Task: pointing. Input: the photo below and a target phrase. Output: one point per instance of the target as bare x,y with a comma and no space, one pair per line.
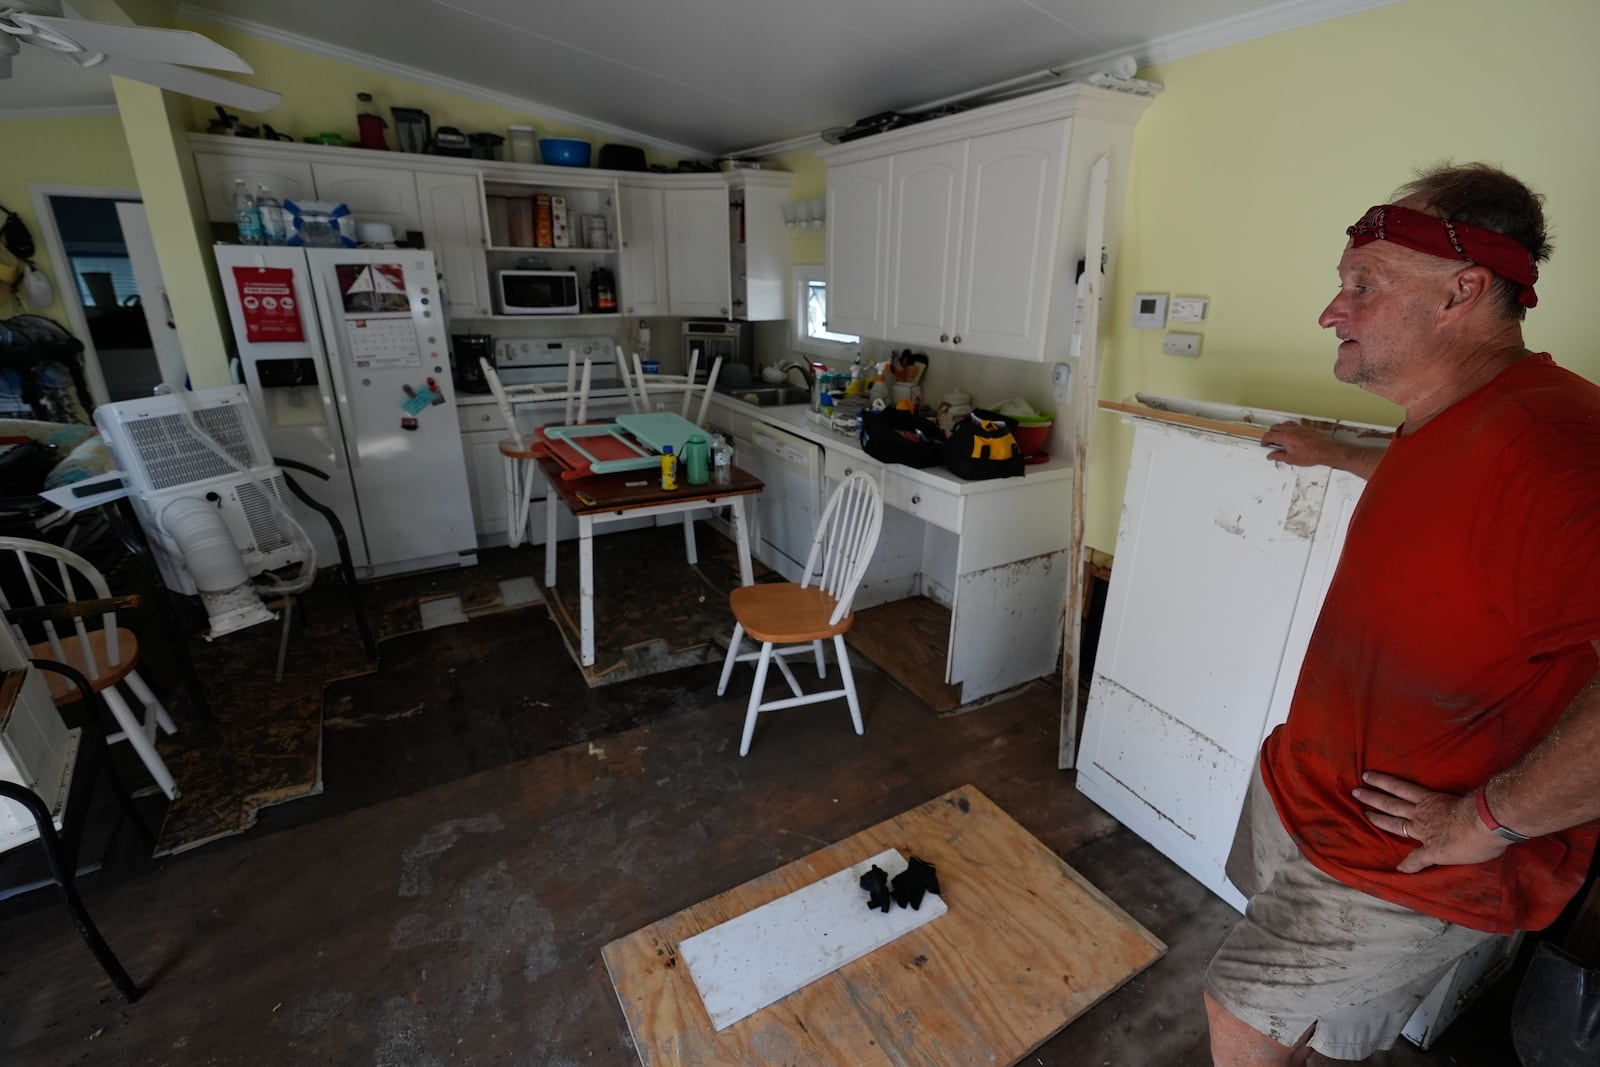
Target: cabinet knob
483,418
848,471
916,500
630,310
944,338
723,310
957,338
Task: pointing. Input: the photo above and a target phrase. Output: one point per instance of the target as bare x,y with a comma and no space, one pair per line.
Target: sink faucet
806,373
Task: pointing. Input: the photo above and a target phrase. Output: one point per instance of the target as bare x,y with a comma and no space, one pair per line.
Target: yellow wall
319,96
87,150
1247,169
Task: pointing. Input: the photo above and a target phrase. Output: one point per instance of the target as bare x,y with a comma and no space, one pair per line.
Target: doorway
111,289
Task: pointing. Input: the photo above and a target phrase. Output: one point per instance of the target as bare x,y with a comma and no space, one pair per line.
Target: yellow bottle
669,468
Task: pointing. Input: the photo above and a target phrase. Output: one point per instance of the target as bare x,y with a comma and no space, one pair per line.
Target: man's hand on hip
1445,827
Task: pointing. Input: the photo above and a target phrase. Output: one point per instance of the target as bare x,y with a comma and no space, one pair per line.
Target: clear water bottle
721,461
274,228
245,215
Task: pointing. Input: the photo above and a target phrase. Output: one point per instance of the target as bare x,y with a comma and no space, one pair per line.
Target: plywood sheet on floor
653,611
1026,946
908,640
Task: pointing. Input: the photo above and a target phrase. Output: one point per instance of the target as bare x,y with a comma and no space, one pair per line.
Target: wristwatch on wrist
1491,822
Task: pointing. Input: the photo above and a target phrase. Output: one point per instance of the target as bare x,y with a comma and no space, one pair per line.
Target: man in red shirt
1435,783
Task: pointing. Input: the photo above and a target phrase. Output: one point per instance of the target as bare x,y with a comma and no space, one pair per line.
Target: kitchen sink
769,396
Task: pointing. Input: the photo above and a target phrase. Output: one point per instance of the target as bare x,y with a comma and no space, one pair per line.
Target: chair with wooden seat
47,584
517,456
789,619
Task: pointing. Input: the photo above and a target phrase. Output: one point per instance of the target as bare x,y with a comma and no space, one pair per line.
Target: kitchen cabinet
727,249
995,553
644,250
288,179
452,226
964,232
372,194
858,247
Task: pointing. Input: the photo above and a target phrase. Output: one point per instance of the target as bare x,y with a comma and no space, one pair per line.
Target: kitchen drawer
480,417
924,501
837,464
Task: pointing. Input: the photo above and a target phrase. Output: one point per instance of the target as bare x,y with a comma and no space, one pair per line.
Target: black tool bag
900,437
982,446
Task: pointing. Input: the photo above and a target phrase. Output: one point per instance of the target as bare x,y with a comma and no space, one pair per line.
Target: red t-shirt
1456,631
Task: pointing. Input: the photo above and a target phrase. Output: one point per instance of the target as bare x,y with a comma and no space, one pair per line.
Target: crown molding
416,74
1289,15
74,111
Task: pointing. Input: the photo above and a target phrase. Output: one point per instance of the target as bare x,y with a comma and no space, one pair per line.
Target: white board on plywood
747,963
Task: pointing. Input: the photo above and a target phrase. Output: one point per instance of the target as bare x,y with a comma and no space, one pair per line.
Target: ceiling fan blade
140,42
192,83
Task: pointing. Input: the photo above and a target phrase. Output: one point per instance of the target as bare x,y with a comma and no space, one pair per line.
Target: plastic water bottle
273,228
721,461
245,214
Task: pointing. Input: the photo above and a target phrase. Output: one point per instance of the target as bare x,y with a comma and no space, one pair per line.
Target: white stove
530,361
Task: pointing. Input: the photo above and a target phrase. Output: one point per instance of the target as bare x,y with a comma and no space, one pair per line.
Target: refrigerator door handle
334,348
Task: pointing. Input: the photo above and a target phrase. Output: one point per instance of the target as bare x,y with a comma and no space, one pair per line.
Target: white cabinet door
452,226
1211,557
644,251
1011,221
698,266
858,247
923,243
287,179
761,262
373,194
486,486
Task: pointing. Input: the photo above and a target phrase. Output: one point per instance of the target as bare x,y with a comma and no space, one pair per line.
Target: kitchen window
811,333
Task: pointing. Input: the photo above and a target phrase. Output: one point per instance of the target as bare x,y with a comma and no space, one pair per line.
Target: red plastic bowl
1032,437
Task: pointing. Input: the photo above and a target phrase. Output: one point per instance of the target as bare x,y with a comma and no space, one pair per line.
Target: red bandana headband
1434,236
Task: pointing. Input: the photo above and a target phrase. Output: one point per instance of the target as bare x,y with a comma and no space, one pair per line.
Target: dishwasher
790,469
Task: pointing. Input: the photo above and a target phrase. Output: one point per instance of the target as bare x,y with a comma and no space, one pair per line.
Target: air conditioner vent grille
258,514
171,454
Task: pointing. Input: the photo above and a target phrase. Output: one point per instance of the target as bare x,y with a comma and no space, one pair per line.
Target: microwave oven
536,292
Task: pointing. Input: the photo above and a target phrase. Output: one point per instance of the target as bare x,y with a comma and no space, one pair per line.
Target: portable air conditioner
170,473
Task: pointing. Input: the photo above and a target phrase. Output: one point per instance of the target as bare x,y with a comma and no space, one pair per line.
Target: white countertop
796,419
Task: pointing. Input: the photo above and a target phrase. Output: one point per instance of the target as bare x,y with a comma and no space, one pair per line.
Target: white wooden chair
108,656
516,454
790,619
664,385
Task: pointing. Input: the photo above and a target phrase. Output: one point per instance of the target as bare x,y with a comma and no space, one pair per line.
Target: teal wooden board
601,448
655,429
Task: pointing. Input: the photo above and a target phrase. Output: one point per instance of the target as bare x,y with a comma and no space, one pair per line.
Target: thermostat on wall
1149,311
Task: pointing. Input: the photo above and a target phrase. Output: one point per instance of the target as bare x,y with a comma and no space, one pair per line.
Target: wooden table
1026,947
602,498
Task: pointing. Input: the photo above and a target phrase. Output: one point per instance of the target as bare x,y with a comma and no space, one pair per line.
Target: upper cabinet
965,232
692,245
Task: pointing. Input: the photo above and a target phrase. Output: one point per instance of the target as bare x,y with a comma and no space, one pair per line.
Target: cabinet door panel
924,243
287,179
699,270
452,225
373,194
1010,227
858,247
644,252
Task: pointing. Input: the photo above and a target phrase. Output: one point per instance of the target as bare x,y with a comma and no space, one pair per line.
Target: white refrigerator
345,359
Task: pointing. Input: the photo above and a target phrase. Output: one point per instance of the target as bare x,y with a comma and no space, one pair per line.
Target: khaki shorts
1313,950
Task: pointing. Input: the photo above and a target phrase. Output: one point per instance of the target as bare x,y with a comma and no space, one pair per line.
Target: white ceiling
714,76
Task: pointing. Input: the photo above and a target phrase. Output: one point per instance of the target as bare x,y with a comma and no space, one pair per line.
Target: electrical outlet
1187,309
1181,344
1061,383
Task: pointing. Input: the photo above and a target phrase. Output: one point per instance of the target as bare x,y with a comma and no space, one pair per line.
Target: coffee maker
465,351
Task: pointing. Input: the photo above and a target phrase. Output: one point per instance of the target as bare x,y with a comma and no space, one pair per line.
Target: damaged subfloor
446,899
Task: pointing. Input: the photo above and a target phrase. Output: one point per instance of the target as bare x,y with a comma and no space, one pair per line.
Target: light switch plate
1181,344
1188,309
1149,311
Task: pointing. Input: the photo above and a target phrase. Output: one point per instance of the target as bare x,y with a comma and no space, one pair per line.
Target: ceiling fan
142,53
